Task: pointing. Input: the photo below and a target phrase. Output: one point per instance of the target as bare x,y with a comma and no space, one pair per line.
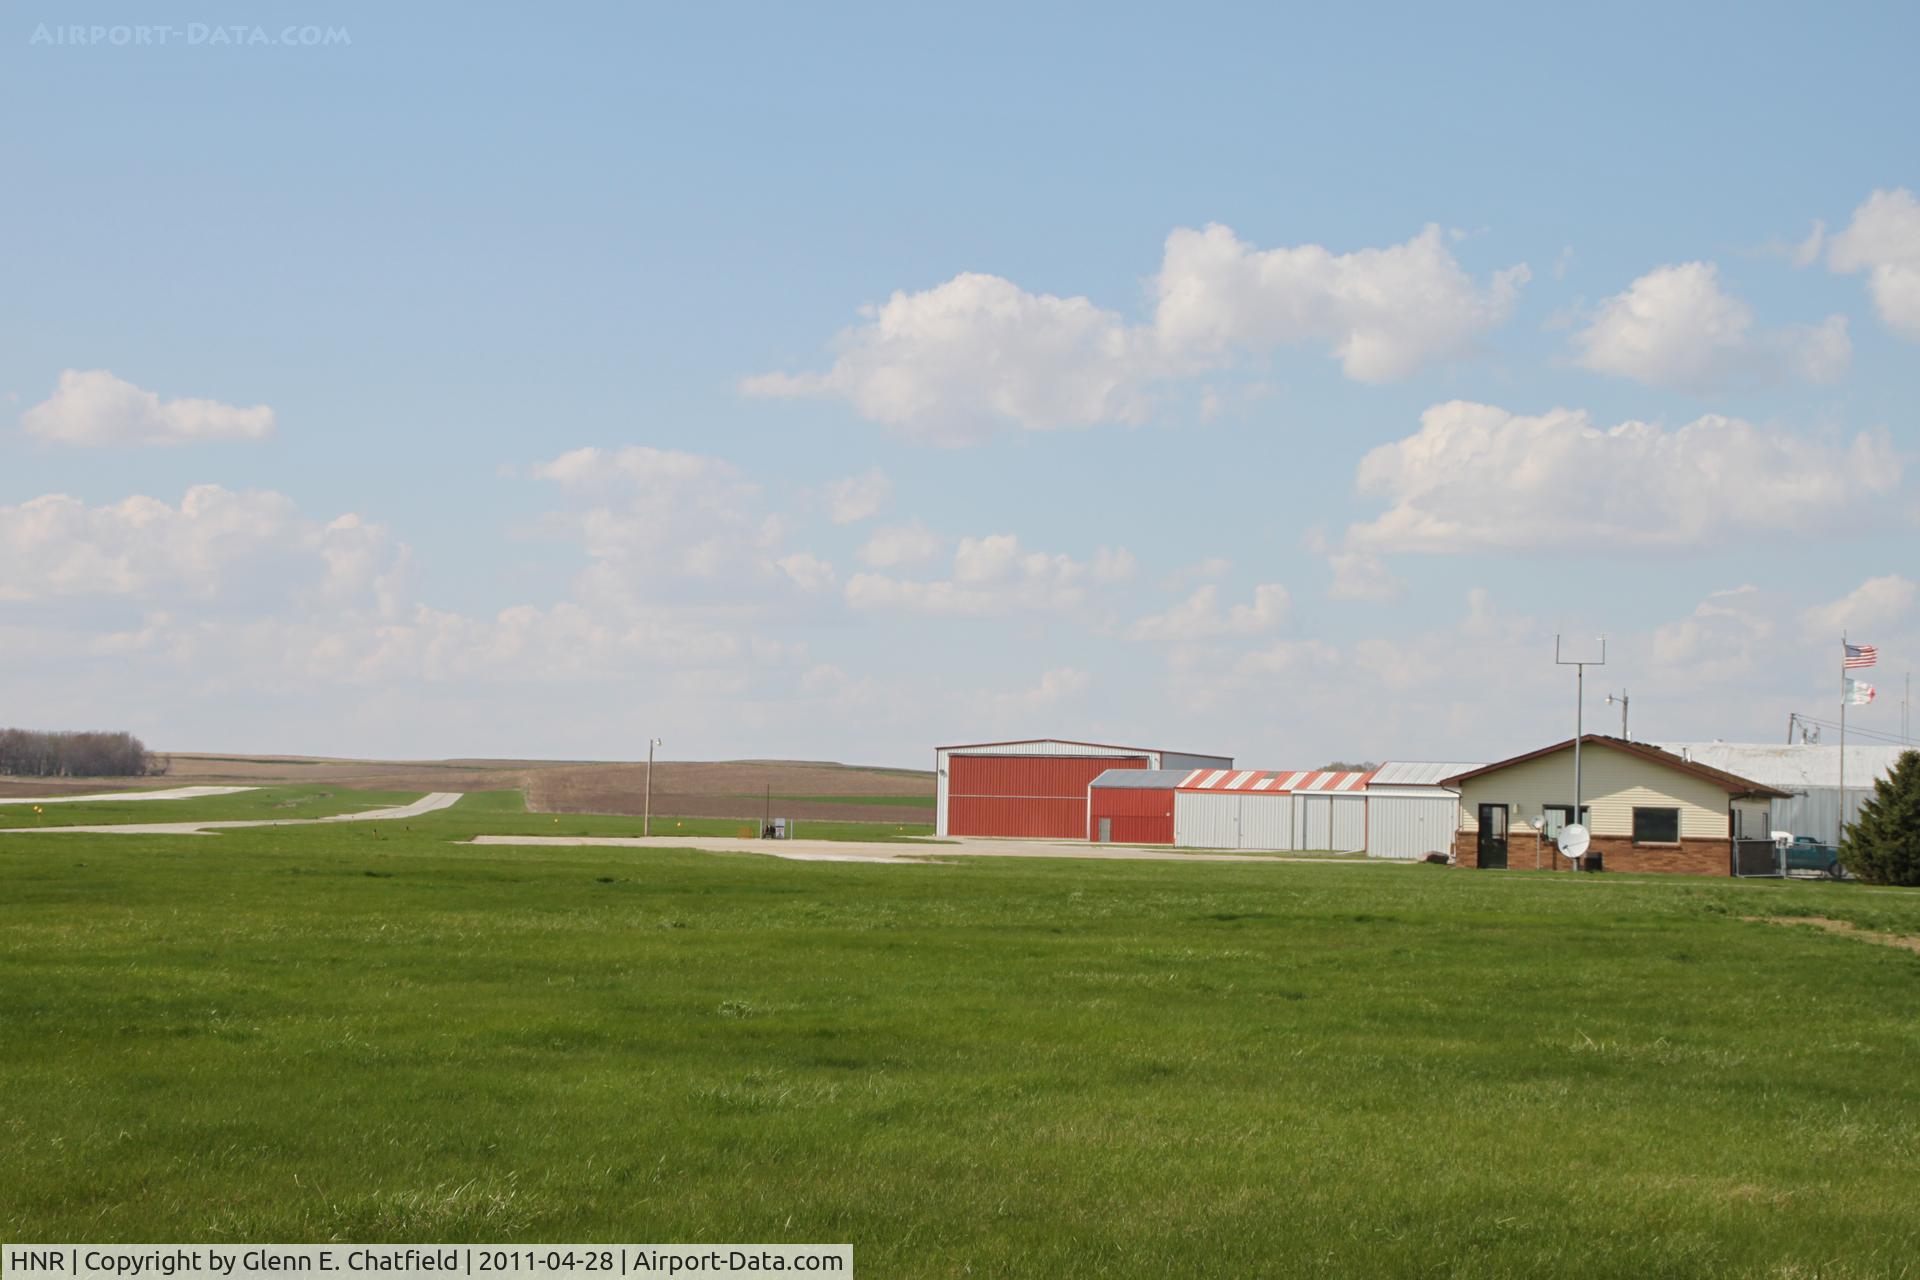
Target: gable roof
1732,783
1795,767
1075,742
1140,779
1418,773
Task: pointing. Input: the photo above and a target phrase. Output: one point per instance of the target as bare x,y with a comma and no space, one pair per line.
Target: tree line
37,753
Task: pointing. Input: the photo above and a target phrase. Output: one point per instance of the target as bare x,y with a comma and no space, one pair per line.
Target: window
1656,826
1558,816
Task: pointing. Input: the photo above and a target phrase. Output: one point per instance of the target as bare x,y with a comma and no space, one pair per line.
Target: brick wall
1618,853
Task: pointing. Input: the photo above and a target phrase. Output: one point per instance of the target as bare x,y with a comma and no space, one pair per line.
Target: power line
1854,730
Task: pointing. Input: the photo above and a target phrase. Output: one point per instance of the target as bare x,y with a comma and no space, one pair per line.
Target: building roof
1313,781
1797,767
1074,742
1418,773
1732,783
1142,779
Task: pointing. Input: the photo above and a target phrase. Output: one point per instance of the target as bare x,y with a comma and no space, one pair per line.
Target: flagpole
1840,822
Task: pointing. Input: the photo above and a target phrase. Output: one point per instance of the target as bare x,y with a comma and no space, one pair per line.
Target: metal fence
1758,858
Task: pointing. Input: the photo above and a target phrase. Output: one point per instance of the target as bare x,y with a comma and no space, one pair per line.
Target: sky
834,382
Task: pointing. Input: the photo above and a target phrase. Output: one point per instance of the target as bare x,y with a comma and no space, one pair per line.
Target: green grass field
262,804
993,1068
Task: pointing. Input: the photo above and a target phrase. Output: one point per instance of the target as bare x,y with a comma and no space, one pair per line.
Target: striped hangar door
1043,797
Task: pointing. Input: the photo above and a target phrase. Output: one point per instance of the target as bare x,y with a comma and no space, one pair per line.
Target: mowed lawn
998,1067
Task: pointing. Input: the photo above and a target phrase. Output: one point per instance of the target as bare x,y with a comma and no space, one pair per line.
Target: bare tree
35,753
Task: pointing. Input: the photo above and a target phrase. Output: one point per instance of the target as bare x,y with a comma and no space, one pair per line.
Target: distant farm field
989,1068
738,789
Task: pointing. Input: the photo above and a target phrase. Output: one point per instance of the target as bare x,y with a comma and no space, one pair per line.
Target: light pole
646,822
1579,666
1622,700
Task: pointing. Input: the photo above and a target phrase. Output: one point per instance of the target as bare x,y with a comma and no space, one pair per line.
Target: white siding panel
1316,821
1816,812
1349,824
1266,821
1185,760
1407,826
1206,820
939,793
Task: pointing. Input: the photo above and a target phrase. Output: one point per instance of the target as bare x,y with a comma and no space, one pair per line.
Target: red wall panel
1139,815
1059,777
1034,816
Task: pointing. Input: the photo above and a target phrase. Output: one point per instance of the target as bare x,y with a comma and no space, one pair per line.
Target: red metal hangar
1036,787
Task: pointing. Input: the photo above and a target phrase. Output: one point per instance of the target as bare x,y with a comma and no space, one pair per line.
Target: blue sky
1222,378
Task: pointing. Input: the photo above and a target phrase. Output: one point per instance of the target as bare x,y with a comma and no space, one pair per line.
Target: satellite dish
1573,840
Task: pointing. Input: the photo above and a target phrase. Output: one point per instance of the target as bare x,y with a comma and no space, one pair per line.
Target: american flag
1860,655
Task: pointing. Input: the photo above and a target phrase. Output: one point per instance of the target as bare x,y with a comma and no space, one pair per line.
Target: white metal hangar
1409,813
1274,810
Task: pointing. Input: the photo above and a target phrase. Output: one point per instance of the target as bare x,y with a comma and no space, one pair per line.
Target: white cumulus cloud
951,363
1719,640
1201,617
991,575
1676,327
56,546
1476,477
1382,312
1883,241
857,497
1884,601
651,511
1358,575
954,363
808,571
902,545
94,408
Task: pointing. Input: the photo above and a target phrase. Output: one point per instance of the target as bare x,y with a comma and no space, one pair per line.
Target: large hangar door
1316,826
1206,820
1032,796
1266,821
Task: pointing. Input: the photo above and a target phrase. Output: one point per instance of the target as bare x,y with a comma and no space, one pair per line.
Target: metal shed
1808,772
1035,787
1409,814
1133,806
1271,810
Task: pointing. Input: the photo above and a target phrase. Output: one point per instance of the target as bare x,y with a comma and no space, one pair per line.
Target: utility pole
646,822
1622,700
1579,666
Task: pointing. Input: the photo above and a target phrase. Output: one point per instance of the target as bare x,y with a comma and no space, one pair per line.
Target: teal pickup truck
1808,854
